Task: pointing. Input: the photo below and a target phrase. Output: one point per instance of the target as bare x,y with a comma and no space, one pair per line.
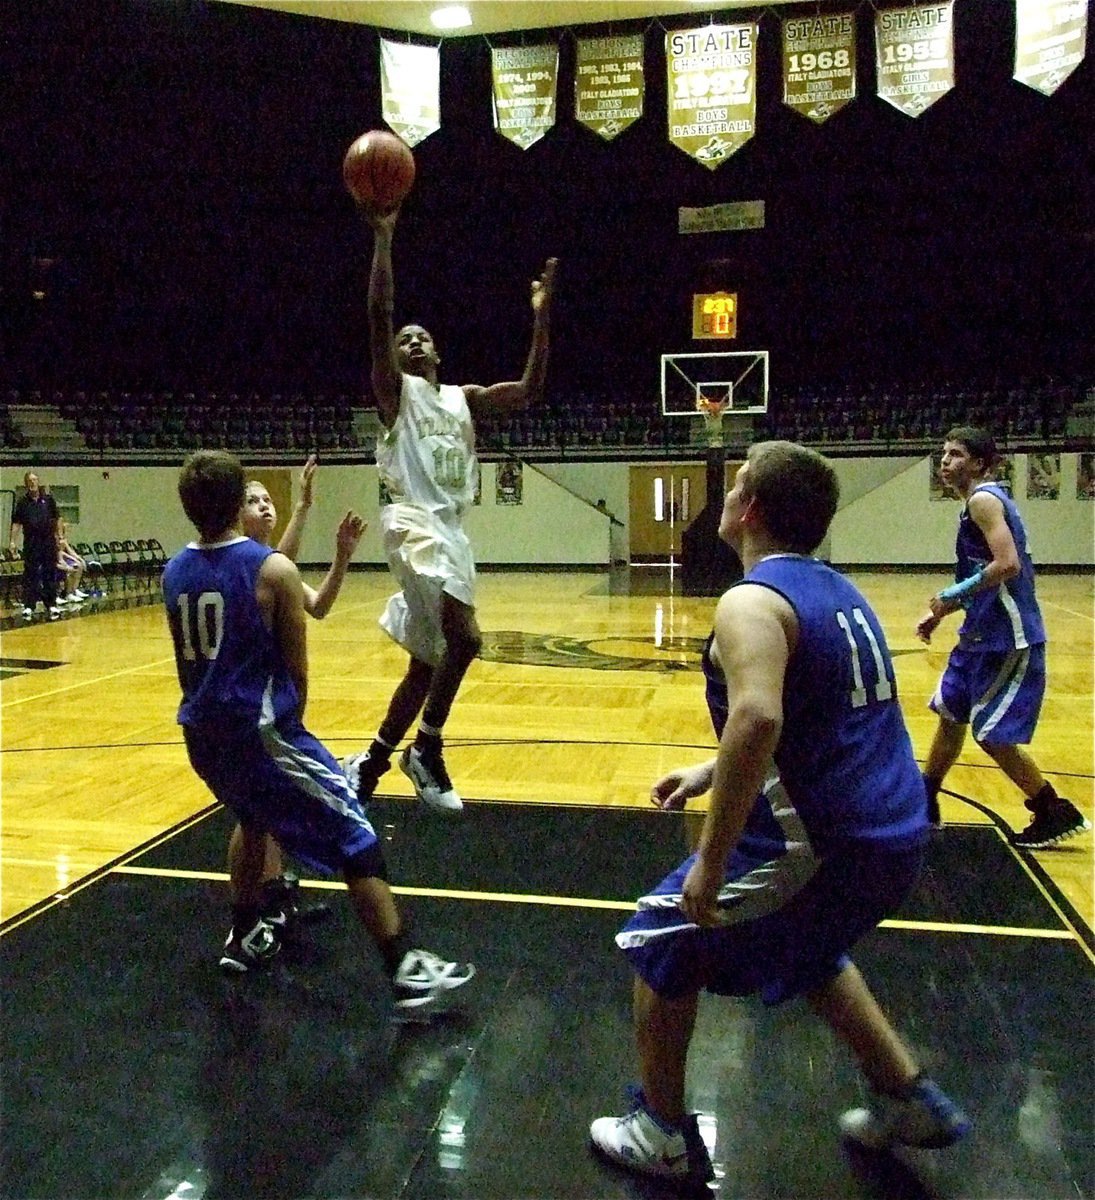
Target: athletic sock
932,786
1044,799
244,917
393,950
379,749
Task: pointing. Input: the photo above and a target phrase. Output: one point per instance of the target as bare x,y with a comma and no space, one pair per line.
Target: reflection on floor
132,1069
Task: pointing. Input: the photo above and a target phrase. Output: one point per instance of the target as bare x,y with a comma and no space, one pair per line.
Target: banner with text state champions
914,55
1050,40
818,64
609,83
523,80
712,90
410,89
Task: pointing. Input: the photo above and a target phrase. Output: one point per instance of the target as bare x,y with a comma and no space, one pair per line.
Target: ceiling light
452,16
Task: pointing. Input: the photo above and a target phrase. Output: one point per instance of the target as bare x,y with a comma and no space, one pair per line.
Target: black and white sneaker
426,770
1061,820
422,982
248,951
364,772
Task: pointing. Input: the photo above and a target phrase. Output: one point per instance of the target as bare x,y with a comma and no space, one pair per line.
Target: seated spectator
70,567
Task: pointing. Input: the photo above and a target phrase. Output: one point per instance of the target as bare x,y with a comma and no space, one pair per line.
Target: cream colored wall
887,517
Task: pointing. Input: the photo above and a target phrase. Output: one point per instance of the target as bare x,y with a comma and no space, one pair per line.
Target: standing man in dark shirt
36,515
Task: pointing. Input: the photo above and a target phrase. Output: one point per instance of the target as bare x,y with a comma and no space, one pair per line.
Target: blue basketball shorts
791,921
286,782
998,693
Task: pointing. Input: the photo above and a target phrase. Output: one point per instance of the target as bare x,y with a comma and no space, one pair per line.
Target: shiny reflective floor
132,1069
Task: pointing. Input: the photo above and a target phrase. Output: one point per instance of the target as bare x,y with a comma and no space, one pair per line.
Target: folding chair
106,562
122,564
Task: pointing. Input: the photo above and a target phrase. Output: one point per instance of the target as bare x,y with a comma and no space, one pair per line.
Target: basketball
379,170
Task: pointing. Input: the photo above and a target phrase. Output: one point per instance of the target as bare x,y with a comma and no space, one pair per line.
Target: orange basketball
379,169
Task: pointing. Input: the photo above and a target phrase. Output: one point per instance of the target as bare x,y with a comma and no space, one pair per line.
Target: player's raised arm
385,374
289,542
519,393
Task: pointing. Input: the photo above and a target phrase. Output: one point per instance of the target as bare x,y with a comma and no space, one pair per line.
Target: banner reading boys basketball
914,55
410,89
609,84
819,64
712,90
1050,39
523,79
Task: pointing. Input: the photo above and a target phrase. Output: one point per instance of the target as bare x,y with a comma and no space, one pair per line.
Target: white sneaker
79,595
54,614
62,600
640,1142
925,1117
431,780
28,614
422,980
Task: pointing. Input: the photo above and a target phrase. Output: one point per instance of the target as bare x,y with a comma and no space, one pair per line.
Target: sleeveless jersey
229,665
1006,617
844,754
428,456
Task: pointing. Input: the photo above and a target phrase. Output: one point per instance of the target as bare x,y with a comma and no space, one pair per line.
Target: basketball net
712,412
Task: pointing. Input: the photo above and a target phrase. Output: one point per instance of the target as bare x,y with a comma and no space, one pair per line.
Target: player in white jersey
427,463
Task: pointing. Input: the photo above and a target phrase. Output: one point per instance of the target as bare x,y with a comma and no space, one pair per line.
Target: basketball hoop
712,411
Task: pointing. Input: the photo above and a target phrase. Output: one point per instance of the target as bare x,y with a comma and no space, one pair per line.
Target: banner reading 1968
1050,38
915,55
819,64
712,90
524,91
609,83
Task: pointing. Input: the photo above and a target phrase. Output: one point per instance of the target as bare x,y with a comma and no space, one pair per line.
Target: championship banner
819,64
1050,40
410,89
712,90
523,91
914,55
609,84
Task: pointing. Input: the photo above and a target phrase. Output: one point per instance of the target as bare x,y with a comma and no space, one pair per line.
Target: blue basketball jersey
1005,617
844,754
229,665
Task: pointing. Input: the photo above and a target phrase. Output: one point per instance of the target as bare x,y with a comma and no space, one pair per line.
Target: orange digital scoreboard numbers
715,315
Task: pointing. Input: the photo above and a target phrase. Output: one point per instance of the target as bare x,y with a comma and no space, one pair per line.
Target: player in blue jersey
996,675
236,613
788,873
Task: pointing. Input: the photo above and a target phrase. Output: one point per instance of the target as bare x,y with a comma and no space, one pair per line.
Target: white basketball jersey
428,456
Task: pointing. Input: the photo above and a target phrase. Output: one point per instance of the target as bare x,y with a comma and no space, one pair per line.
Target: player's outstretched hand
351,529
306,475
674,790
926,626
542,287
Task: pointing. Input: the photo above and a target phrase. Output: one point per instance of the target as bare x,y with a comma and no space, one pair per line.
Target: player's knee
465,644
366,864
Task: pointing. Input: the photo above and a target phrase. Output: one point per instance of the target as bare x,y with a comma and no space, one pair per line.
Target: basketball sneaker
422,981
28,614
1061,819
54,613
640,1141
245,951
925,1116
364,772
426,770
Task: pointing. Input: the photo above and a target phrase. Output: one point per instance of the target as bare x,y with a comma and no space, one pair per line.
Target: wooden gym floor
132,1069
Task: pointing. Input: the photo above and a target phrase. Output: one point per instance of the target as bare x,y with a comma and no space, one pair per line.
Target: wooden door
665,498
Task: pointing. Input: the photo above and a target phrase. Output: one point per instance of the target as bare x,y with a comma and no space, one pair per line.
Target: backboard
737,379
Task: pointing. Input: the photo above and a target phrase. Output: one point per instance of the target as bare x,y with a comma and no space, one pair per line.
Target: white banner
410,89
1050,41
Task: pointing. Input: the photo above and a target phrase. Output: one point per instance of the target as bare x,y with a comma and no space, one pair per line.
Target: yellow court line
585,902
71,687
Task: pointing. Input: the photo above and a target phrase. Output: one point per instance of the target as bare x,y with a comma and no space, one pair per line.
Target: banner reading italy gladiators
1050,39
410,87
914,55
712,90
523,79
819,64
609,84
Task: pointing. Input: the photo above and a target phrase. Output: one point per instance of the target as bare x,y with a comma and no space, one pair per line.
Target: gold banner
712,90
523,80
1050,41
819,64
410,89
914,55
609,84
